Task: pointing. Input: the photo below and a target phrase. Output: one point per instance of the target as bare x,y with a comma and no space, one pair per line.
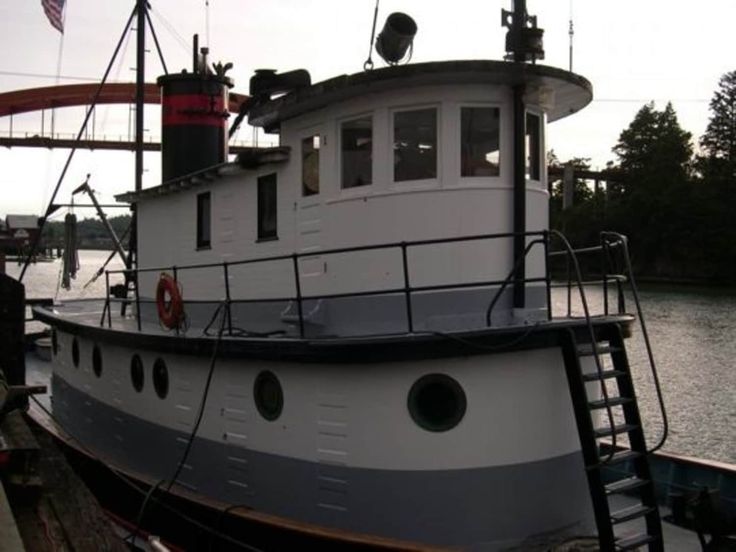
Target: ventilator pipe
396,37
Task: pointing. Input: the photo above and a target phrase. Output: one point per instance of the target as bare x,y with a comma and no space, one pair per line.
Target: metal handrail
403,246
622,240
519,263
572,257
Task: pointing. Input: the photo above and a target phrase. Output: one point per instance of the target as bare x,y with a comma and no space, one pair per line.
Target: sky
632,51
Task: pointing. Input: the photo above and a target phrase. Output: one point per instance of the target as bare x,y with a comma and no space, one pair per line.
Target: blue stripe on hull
484,508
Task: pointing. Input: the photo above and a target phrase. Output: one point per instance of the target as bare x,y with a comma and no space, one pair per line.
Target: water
693,332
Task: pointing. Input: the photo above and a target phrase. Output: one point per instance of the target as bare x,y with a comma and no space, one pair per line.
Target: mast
523,44
140,80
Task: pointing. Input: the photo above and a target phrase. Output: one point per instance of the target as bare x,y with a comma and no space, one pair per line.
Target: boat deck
91,313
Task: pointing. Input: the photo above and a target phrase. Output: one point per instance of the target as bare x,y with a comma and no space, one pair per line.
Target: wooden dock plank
10,540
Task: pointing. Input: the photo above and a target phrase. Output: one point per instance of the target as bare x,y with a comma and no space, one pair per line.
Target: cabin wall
385,211
168,226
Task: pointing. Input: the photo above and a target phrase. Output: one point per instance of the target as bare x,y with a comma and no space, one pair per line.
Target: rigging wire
368,65
155,40
53,117
118,69
47,76
69,158
172,31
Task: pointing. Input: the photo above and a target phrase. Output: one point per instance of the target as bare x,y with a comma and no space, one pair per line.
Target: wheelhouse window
533,146
267,224
203,220
310,166
415,144
480,136
357,152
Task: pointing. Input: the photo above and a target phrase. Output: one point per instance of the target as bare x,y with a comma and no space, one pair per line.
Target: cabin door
310,211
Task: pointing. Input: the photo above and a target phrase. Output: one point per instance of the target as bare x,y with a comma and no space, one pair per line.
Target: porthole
75,352
97,361
437,402
54,342
160,378
268,396
136,373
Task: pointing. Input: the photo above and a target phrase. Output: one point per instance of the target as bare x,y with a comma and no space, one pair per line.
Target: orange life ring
171,309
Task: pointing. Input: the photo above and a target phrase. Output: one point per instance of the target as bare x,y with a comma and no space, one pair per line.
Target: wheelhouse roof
570,92
248,159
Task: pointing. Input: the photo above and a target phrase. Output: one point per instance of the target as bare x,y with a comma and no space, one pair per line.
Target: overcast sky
632,51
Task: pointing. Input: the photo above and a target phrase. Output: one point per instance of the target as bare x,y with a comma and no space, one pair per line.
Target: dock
43,503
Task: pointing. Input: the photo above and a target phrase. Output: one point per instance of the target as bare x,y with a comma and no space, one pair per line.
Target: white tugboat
351,335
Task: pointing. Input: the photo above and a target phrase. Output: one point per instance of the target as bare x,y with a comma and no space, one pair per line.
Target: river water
693,333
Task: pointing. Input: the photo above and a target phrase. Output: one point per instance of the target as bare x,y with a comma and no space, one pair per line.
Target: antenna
571,32
207,18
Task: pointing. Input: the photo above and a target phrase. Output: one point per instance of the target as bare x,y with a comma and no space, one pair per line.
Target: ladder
614,527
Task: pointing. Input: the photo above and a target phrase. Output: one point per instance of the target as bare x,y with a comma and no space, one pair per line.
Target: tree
654,148
719,140
655,158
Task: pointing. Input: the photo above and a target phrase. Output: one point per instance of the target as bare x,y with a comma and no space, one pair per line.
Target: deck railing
535,240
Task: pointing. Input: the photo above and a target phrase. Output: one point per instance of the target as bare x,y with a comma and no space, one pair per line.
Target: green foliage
719,140
91,233
676,210
654,150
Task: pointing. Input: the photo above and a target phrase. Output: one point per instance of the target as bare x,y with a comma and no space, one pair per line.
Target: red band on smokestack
193,109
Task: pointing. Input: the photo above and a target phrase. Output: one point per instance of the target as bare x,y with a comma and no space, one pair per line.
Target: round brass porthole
160,378
137,376
268,395
97,361
437,402
75,352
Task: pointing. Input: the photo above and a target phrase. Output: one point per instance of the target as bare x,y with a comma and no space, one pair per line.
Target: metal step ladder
614,527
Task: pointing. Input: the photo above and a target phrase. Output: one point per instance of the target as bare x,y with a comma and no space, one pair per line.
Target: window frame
203,243
263,234
304,138
438,143
459,137
528,169
340,122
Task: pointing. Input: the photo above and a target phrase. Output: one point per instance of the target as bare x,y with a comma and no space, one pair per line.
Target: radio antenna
571,32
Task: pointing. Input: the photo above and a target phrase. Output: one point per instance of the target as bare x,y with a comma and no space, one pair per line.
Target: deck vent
396,37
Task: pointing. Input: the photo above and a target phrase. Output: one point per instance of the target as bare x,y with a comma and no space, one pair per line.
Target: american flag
55,12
